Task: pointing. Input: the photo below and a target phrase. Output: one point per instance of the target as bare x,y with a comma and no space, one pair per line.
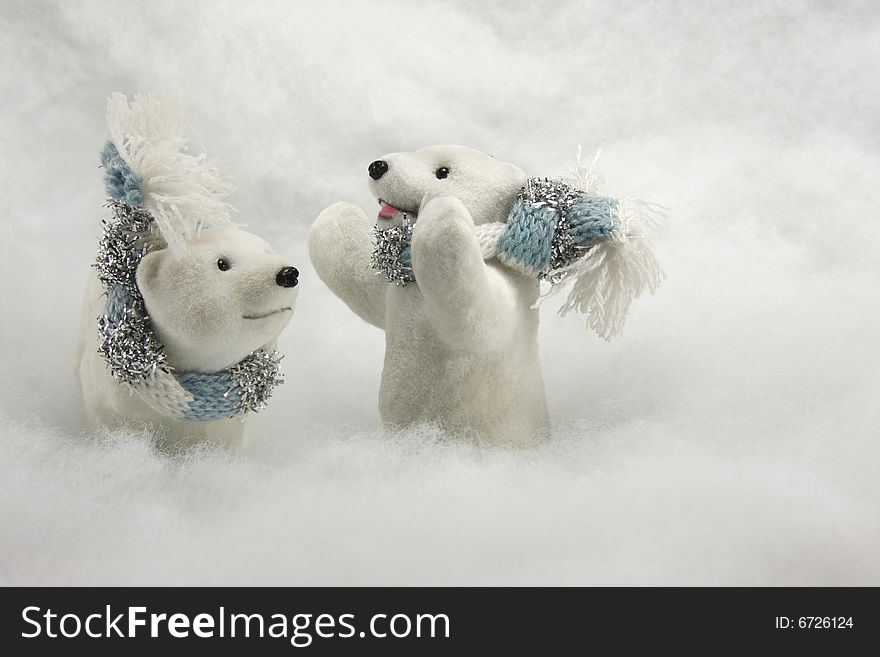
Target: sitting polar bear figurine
180,320
229,296
462,340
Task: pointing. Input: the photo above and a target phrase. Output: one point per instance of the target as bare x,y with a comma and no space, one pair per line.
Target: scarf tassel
598,247
612,271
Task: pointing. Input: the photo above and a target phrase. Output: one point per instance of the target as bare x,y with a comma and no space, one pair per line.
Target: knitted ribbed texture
215,395
163,393
488,236
203,397
591,218
525,244
541,239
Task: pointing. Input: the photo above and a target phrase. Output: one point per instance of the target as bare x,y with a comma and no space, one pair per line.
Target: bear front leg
470,303
340,247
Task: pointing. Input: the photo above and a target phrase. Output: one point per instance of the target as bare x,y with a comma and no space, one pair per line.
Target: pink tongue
387,210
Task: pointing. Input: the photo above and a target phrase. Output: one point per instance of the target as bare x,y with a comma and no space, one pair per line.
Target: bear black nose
287,276
378,169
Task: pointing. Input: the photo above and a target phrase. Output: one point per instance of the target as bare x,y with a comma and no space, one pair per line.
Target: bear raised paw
181,317
461,338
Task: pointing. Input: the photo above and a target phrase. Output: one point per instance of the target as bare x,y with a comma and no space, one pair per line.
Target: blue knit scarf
550,226
597,247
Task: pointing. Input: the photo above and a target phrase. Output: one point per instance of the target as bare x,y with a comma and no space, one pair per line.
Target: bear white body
207,319
462,341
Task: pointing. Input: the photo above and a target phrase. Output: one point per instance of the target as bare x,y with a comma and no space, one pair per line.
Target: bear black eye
223,264
442,172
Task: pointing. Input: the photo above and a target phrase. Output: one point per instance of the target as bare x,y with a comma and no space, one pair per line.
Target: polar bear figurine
182,313
462,339
225,297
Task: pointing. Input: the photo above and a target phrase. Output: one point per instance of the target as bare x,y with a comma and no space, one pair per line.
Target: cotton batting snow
728,437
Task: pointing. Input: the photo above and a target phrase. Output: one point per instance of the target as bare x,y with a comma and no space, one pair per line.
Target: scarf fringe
183,193
613,272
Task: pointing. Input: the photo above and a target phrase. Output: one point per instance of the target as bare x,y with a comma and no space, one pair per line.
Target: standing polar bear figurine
452,270
181,316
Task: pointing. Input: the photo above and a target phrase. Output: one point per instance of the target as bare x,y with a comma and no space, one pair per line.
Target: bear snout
287,276
378,169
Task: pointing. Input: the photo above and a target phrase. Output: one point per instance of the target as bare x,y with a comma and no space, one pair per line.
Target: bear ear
149,268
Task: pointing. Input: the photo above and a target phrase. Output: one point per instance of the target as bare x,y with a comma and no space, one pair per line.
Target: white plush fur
729,439
207,320
461,343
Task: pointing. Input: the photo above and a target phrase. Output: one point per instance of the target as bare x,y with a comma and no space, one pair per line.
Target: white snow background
729,437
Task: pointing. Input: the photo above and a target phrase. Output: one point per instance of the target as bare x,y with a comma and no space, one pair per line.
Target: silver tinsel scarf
126,340
559,195
124,243
391,256
256,377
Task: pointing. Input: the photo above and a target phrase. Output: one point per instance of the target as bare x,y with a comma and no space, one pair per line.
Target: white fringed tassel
183,193
614,272
587,179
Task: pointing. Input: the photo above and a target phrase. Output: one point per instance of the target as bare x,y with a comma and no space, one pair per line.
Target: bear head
403,181
228,295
